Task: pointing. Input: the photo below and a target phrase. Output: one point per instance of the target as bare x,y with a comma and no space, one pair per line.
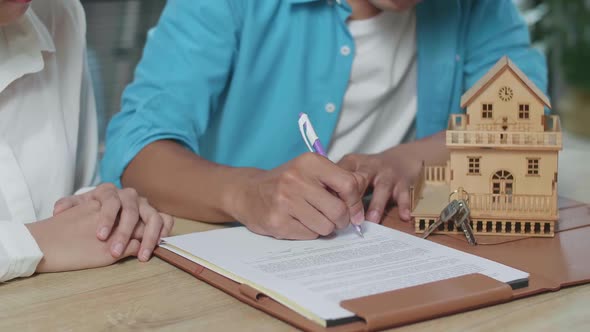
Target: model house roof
500,67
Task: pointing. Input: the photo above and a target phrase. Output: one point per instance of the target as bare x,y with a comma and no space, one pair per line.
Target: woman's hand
68,240
124,216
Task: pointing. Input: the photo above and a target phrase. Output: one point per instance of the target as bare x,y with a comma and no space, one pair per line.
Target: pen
313,143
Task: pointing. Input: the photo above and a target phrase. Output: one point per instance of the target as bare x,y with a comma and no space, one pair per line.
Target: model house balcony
458,136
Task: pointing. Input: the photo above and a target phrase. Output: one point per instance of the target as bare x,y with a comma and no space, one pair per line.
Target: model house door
502,186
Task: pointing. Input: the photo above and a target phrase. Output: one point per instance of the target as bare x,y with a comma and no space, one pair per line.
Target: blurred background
117,31
561,28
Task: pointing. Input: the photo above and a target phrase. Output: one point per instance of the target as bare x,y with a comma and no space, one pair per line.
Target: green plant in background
567,25
562,29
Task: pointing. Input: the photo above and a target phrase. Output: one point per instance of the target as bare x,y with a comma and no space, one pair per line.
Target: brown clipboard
552,263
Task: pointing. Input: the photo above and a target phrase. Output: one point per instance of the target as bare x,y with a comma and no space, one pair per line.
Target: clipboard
552,263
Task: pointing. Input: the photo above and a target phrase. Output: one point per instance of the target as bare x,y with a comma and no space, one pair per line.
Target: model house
504,155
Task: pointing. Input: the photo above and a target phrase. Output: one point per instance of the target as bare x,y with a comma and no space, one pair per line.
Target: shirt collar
303,1
340,3
21,48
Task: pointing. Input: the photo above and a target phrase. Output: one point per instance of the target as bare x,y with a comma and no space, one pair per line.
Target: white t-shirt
380,104
48,127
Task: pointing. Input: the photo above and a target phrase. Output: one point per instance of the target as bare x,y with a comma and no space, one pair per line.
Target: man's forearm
180,183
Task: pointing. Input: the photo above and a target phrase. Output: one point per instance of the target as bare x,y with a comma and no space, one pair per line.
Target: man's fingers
362,172
345,184
154,225
311,218
382,193
363,178
401,194
349,190
295,230
349,163
129,218
322,201
284,227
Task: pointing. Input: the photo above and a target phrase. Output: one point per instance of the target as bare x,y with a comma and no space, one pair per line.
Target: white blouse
48,126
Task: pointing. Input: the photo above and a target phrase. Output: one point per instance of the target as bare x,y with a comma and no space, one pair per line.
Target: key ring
462,191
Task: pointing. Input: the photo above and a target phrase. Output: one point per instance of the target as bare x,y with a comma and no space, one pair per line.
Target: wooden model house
504,154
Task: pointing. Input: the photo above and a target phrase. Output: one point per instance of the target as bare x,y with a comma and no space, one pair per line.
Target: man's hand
390,175
303,199
392,172
127,208
68,241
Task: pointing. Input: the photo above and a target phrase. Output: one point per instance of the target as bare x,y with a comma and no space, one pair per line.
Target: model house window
533,166
502,187
486,111
523,111
474,165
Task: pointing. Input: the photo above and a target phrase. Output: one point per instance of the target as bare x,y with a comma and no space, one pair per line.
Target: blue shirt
228,78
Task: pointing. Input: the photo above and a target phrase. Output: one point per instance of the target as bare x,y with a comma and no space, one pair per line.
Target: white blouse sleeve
87,154
19,253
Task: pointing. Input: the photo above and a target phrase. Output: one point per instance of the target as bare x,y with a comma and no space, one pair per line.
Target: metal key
461,220
446,215
457,211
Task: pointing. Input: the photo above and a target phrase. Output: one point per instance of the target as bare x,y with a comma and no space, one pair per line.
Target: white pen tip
359,230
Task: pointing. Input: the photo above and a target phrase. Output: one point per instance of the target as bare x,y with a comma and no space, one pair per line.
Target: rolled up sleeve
19,253
178,83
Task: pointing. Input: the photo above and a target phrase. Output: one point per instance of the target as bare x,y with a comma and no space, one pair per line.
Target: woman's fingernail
118,249
374,216
104,233
145,255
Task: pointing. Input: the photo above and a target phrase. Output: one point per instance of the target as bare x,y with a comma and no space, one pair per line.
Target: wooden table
156,296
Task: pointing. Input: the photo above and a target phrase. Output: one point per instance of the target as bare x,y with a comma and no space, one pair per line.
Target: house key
461,220
458,212
447,214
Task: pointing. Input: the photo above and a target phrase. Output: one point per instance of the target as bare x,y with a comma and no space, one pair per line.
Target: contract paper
313,277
